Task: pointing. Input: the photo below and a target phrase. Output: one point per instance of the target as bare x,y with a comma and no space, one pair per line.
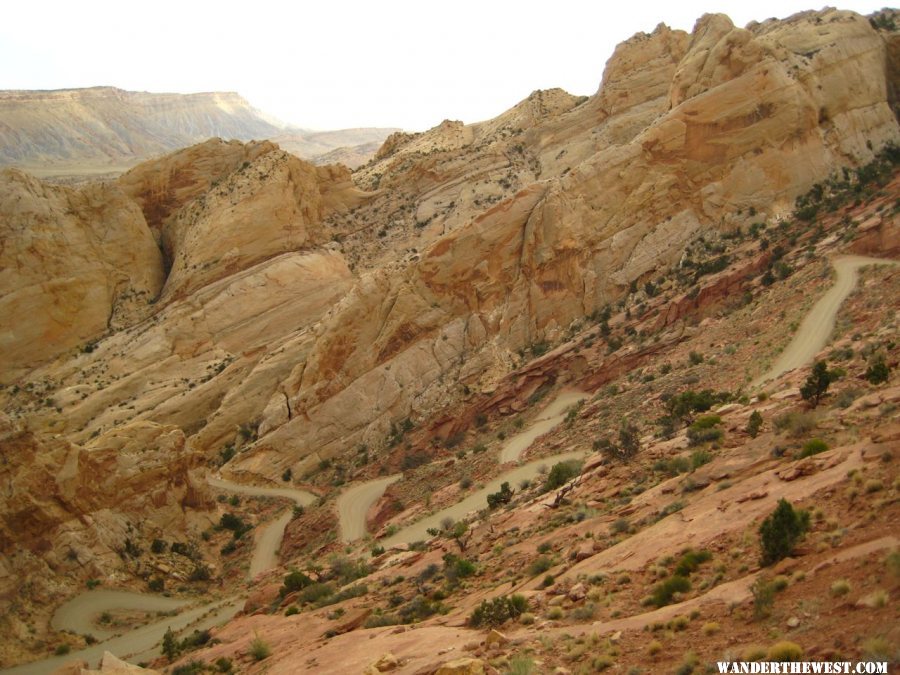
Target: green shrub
585,613
706,422
62,650
700,436
224,664
539,565
690,561
780,532
682,405
795,423
892,563
456,568
497,611
878,372
700,457
812,447
195,640
877,649
193,667
664,591
200,573
294,581
315,592
673,466
354,591
345,570
561,473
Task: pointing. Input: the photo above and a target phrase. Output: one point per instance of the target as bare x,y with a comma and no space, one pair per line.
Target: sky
338,64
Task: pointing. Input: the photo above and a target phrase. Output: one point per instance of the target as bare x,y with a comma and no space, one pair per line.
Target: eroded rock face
162,186
747,120
73,263
142,469
69,510
270,206
299,307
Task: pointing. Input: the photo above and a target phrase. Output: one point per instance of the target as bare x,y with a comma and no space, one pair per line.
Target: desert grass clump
840,588
585,613
892,562
678,623
521,664
555,613
710,628
688,664
259,649
877,648
753,653
654,648
763,598
602,662
873,485
812,447
875,599
780,582
785,651
795,423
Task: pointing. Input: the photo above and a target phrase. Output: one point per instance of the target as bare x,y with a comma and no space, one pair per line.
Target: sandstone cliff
734,124
74,263
73,513
302,315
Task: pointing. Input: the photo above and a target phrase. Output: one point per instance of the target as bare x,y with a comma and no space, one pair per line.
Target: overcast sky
333,64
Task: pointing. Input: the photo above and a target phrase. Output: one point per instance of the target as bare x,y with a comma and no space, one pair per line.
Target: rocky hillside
104,128
286,324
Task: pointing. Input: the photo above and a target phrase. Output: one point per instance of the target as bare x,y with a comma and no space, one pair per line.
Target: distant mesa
71,132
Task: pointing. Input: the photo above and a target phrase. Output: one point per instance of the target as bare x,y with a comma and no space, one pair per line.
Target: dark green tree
170,645
817,383
781,531
754,424
504,496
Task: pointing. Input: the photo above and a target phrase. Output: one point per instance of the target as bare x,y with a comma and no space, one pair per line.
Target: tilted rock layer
241,297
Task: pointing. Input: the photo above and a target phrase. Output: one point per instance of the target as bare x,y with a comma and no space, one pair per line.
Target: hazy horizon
355,65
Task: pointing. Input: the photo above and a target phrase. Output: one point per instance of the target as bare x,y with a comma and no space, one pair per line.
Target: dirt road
267,540
477,500
816,328
552,415
139,644
77,615
354,503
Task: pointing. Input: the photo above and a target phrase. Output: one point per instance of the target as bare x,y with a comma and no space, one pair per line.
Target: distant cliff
104,128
